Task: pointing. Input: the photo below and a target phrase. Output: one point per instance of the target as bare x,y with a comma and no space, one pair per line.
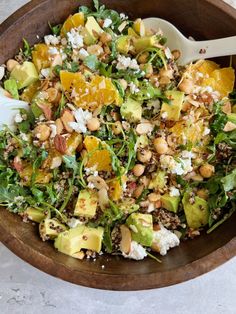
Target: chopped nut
230,126
11,64
60,144
125,243
95,50
59,126
42,132
53,95
66,118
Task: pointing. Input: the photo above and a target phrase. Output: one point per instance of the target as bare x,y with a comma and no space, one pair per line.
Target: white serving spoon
9,108
191,50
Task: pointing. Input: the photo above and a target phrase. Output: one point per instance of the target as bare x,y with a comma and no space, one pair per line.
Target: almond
60,144
59,126
47,111
125,243
66,118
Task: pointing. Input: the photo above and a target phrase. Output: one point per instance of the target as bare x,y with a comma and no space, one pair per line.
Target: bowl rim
122,282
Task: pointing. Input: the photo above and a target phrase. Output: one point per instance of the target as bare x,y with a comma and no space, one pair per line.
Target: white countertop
26,290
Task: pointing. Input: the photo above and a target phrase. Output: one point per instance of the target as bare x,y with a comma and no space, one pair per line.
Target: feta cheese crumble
126,62
51,40
165,240
133,88
174,191
73,222
75,39
83,54
137,252
107,23
53,51
18,118
45,72
81,117
181,166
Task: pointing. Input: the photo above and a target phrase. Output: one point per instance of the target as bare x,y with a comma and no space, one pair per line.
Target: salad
115,148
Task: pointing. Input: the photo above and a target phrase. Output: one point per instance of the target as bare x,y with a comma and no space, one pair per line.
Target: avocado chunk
158,180
86,204
197,214
24,74
11,86
141,226
131,110
232,117
91,26
145,42
123,44
170,203
72,241
174,108
49,229
34,214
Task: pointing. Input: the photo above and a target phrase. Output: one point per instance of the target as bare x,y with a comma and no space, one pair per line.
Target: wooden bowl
205,19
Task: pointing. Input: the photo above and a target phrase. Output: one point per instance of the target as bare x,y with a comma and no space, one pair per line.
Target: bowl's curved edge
107,281
118,282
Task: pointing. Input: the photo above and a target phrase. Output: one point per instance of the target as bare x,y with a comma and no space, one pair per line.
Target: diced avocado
142,141
49,229
91,27
11,86
128,206
170,203
145,42
173,109
123,44
141,226
72,241
24,74
131,110
158,180
131,32
196,212
86,204
232,117
34,214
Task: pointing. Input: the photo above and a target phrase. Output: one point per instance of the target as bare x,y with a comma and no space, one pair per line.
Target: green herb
107,241
56,29
27,50
219,119
61,106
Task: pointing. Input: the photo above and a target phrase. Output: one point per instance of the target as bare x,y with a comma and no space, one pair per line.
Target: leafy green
11,86
27,50
219,119
56,29
107,241
70,162
229,181
61,106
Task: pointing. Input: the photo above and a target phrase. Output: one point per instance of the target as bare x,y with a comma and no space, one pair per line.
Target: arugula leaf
27,50
96,4
229,181
92,62
219,119
56,29
70,162
61,106
107,241
131,151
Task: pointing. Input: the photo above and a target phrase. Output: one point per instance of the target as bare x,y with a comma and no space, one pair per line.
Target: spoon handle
213,48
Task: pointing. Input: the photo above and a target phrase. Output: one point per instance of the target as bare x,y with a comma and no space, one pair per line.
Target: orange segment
192,131
40,56
73,21
90,95
223,81
100,159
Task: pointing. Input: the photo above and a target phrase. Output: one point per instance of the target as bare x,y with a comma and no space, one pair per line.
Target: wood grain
205,19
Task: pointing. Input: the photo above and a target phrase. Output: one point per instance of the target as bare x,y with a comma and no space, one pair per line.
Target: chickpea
203,194
207,170
42,132
160,145
138,191
166,73
164,80
11,64
138,170
148,69
186,86
93,124
176,54
95,50
117,128
105,38
144,155
123,83
143,58
153,197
